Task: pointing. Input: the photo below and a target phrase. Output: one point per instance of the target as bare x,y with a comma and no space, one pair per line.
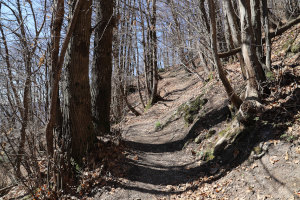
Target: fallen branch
272,34
4,190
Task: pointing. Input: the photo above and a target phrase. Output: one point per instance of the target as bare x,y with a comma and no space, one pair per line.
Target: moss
289,138
295,47
190,110
210,77
257,150
158,126
208,155
224,131
148,106
270,76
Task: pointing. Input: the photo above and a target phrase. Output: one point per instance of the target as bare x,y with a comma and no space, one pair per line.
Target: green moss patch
158,126
208,155
190,109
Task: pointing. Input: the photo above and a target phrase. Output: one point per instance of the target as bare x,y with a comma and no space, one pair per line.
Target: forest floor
165,156
165,162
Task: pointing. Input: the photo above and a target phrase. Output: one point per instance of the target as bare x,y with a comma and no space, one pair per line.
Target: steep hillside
170,144
170,147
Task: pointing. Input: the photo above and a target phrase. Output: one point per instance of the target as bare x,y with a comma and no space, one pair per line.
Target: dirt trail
162,165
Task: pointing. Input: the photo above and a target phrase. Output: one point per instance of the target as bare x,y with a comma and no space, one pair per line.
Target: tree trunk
272,34
253,66
236,37
102,66
267,37
228,35
256,25
129,106
54,53
77,122
138,69
248,51
204,15
56,79
213,34
153,35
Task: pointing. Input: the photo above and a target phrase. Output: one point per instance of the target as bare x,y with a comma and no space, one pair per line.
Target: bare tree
267,36
102,66
56,79
236,36
77,117
230,92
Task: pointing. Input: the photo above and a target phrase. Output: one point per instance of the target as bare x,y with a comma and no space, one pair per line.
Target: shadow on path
161,175
205,122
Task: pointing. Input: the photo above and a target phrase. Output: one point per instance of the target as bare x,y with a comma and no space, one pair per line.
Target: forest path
161,162
162,165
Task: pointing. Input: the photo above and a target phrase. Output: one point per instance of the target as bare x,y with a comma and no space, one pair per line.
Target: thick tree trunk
230,92
102,66
54,53
253,66
55,87
256,24
77,123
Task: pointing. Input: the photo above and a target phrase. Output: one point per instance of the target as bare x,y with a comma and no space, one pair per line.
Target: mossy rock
207,155
228,136
190,109
257,150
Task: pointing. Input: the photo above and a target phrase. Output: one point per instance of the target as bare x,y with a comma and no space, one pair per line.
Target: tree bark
77,122
256,25
253,66
55,87
153,36
267,37
236,37
58,17
213,34
102,66
273,34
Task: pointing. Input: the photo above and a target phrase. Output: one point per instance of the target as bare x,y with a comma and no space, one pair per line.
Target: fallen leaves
254,165
273,159
286,157
298,150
